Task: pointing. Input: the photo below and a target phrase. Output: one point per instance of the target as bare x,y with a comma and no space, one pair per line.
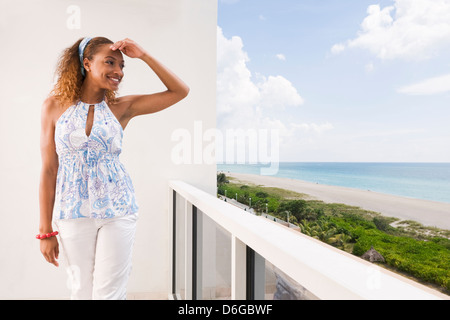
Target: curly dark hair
67,88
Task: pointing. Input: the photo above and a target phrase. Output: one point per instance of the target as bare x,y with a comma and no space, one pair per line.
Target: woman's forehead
105,51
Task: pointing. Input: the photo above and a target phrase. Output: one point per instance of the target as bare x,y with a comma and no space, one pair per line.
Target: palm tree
221,179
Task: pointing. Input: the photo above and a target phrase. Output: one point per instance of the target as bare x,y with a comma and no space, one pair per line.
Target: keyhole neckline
86,107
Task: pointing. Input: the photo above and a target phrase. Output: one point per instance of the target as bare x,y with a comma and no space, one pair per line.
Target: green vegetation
408,248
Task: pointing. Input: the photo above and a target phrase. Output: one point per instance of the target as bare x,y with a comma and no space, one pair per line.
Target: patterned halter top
91,181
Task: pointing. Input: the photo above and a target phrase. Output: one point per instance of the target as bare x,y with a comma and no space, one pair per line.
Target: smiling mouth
114,79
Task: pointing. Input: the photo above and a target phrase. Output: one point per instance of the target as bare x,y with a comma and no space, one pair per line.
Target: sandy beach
428,213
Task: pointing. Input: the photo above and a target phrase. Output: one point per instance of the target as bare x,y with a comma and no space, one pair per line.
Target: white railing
326,272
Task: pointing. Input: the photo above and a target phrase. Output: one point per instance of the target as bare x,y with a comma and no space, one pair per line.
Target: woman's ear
87,64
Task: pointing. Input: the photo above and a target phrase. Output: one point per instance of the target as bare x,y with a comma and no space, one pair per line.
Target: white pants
98,255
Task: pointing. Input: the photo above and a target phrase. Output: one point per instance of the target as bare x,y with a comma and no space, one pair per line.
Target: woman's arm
47,185
150,103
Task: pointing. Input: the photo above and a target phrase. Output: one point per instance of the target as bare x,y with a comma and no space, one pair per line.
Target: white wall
182,35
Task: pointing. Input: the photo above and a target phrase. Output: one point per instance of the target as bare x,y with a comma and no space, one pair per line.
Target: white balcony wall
312,269
182,35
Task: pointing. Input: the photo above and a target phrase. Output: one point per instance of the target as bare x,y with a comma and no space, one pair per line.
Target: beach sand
428,213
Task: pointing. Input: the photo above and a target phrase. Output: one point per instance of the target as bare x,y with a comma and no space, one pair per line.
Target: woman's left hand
129,48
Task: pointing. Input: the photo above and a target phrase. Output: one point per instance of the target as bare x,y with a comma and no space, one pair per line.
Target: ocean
429,181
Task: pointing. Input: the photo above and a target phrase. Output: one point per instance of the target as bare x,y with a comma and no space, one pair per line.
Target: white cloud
337,48
429,86
411,29
236,92
281,56
242,98
278,92
247,102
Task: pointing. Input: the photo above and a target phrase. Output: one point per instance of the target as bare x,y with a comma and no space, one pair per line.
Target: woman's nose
119,71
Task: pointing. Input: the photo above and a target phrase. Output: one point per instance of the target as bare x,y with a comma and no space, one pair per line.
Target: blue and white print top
91,181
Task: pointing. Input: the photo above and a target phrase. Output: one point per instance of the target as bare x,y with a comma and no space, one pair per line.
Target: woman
82,180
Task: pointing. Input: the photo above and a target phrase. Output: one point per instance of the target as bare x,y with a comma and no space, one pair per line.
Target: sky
339,80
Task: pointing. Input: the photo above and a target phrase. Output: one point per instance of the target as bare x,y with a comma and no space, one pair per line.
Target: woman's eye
112,63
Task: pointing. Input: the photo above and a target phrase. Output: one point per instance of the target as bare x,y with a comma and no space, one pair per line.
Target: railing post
172,243
238,267
188,250
256,275
196,254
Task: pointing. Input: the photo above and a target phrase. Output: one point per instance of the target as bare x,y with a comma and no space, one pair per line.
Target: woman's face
106,68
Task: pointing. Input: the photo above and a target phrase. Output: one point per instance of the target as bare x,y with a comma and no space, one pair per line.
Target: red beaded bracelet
47,235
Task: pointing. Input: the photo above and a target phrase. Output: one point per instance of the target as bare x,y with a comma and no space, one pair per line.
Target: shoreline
428,213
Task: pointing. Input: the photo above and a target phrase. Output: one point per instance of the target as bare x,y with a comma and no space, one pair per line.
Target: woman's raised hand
129,48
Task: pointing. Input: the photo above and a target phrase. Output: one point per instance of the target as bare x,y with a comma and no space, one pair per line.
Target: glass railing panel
216,260
279,286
